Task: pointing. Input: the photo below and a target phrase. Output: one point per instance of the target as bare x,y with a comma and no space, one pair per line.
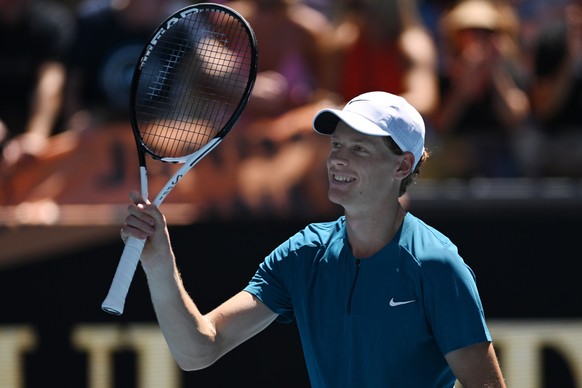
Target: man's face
360,170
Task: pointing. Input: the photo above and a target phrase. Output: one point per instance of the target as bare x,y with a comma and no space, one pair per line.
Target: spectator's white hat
378,114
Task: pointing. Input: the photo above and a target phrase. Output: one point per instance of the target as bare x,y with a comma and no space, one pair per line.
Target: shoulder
51,16
415,231
318,234
435,257
53,26
426,244
52,11
96,20
300,252
310,243
418,45
244,8
308,19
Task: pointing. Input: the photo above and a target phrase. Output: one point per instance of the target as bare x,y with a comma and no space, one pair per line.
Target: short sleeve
268,283
452,301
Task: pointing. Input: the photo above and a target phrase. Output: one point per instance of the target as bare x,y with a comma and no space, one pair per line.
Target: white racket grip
115,300
143,173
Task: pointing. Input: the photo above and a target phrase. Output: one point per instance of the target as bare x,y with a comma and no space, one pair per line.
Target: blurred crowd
499,82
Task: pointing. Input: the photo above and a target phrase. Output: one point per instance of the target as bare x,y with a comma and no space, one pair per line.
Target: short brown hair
412,176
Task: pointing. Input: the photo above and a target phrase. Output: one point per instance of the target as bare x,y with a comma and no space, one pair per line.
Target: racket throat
196,156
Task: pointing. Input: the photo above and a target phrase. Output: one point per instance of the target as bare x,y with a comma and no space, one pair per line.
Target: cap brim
326,121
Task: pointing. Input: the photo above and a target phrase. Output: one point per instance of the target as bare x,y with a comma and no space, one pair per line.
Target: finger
140,213
147,212
136,197
127,231
146,223
136,228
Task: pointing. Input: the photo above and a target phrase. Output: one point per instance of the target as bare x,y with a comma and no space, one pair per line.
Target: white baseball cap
378,114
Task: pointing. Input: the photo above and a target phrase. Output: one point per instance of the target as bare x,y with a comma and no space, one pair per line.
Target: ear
406,166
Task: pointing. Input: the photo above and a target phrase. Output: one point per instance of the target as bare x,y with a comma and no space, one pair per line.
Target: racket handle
115,300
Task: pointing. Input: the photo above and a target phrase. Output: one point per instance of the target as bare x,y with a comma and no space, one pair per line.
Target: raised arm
195,340
45,109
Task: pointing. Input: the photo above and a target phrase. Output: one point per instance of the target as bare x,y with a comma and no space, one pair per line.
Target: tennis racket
190,86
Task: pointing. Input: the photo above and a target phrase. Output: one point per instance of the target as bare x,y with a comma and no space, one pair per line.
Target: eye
335,145
360,149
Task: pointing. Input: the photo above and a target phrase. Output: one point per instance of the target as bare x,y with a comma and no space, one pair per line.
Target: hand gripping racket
189,87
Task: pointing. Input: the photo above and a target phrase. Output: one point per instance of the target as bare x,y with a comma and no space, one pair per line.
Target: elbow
187,366
197,352
190,362
190,365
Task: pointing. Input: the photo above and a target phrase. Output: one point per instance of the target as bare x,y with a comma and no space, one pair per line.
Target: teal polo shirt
384,321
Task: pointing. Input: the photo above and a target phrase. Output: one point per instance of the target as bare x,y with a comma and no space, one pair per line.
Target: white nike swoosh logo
394,303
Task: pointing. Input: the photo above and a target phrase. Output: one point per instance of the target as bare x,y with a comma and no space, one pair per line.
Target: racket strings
193,82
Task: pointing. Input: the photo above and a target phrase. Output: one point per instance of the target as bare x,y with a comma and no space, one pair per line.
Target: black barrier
526,257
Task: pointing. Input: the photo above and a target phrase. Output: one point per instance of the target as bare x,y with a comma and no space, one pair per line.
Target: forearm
550,92
48,99
195,340
45,109
451,109
476,366
512,102
191,337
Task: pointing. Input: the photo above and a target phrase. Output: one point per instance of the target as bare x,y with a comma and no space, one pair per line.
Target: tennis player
380,298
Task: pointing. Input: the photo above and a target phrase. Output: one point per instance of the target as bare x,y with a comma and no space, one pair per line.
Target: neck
369,233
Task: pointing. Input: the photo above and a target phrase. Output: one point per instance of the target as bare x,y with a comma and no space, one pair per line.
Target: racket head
192,81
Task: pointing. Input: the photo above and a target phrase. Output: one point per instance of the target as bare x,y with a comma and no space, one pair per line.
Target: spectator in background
290,35
110,38
556,94
483,102
383,45
431,13
533,15
273,149
35,37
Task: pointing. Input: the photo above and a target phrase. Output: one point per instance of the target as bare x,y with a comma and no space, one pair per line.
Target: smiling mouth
342,178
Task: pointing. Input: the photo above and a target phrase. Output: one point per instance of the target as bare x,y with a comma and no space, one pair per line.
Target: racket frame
115,300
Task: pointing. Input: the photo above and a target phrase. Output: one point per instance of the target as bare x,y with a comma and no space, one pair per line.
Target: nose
336,158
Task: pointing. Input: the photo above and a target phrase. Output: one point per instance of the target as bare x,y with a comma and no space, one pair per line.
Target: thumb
136,198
